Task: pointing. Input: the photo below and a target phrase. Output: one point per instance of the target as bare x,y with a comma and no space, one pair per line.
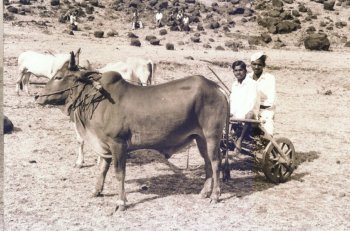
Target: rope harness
86,99
61,91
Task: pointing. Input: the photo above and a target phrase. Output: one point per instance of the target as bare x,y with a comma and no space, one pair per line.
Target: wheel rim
273,169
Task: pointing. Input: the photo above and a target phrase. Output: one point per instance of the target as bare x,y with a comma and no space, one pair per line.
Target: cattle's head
58,88
66,81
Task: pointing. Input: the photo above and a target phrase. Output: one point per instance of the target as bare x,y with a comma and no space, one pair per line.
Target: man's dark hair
239,63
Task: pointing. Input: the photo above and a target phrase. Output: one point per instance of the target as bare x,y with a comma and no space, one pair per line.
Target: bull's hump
111,77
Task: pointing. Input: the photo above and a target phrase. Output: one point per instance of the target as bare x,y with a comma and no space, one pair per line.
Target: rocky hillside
234,24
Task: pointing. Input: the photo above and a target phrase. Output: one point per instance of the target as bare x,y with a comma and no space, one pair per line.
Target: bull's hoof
226,175
96,194
214,199
120,208
76,165
203,194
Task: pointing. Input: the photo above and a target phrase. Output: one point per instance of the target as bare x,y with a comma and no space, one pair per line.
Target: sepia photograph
175,115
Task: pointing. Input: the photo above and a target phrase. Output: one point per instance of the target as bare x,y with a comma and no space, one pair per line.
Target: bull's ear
77,55
61,72
72,62
78,52
88,76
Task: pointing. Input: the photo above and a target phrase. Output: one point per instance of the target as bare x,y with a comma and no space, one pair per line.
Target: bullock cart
275,156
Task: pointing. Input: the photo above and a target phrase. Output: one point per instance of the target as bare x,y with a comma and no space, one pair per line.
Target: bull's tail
151,68
226,168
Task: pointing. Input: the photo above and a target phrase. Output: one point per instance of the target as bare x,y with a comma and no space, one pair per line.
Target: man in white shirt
267,90
136,22
159,16
244,100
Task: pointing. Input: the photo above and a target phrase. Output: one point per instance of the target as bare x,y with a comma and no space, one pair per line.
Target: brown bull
116,117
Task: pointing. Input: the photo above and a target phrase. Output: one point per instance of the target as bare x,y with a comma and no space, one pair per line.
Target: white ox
40,65
135,70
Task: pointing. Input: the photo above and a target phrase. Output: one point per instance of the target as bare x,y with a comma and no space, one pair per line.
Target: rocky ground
42,189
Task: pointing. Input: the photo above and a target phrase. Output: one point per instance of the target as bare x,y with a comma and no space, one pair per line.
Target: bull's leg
202,147
19,82
119,156
26,83
80,160
104,166
209,150
215,160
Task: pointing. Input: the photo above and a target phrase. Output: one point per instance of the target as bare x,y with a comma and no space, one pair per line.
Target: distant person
136,22
73,20
180,15
185,23
267,90
244,99
171,16
159,17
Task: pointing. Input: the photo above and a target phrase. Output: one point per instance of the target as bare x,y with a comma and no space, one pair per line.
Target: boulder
111,33
254,40
219,48
89,9
8,125
200,27
329,5
278,44
317,42
132,35
286,15
98,34
234,2
135,3
311,29
94,2
24,2
214,25
55,2
285,27
155,42
277,3
302,8
152,3
163,32
236,10
266,37
12,9
150,37
135,42
163,5
195,39
169,46
207,45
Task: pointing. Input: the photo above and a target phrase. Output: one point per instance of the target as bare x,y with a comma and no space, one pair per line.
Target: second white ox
40,65
135,70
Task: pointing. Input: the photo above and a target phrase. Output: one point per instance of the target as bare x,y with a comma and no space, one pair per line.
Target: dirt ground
43,190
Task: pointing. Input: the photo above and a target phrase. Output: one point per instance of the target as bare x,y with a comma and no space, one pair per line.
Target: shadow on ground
246,177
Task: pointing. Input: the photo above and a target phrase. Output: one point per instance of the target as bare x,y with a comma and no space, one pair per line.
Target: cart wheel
274,170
